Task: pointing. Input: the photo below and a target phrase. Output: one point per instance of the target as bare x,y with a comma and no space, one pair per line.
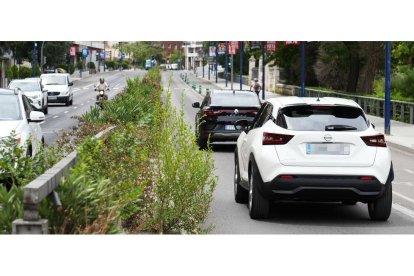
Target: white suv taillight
275,138
374,141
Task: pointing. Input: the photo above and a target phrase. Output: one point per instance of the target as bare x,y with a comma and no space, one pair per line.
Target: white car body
59,90
36,94
318,158
25,124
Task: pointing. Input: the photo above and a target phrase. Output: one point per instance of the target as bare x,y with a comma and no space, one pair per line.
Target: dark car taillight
374,141
275,138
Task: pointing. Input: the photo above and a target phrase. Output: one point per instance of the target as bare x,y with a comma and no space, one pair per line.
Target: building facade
193,52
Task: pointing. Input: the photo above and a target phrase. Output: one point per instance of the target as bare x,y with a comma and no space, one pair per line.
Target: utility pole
232,67
104,57
216,64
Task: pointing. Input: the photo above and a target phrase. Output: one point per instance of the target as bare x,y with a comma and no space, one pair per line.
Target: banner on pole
221,50
255,45
291,43
212,51
271,46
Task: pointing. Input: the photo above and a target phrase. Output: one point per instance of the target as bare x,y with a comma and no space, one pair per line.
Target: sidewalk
402,134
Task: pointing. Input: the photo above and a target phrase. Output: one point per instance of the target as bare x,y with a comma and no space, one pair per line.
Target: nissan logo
327,137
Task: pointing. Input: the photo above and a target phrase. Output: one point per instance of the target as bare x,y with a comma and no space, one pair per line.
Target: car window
321,118
54,80
27,106
9,108
25,86
263,115
237,99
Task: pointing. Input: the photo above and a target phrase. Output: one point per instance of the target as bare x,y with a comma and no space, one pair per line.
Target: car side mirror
45,90
242,125
373,125
36,117
196,105
70,84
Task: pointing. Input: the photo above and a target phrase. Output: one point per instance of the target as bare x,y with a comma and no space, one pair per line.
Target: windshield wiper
339,127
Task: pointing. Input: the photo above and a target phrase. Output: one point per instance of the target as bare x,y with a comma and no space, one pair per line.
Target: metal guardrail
42,187
401,111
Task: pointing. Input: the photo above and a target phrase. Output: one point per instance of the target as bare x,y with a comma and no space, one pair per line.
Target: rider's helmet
102,80
256,80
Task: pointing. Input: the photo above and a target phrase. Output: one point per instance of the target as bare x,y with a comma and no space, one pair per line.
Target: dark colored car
219,111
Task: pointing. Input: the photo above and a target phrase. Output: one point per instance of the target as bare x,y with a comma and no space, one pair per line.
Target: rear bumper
322,188
223,136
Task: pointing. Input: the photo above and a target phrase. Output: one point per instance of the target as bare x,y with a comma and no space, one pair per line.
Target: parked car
313,149
174,66
16,114
218,112
32,88
58,86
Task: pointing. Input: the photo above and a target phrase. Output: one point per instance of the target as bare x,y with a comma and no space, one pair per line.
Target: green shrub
91,65
9,73
72,68
25,72
179,199
79,65
15,71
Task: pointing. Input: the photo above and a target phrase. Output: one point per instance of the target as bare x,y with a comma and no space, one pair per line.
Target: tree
55,51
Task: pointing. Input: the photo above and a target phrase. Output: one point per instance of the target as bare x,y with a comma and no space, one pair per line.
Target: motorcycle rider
101,86
255,86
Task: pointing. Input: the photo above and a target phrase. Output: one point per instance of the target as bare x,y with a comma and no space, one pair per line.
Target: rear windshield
322,118
230,99
9,108
25,86
54,80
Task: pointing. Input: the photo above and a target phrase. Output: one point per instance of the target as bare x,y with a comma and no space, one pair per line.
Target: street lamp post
104,57
216,65
241,64
303,75
263,69
42,57
34,59
227,61
387,103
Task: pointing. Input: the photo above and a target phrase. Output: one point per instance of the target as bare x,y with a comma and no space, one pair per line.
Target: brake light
374,141
366,177
275,138
285,176
210,113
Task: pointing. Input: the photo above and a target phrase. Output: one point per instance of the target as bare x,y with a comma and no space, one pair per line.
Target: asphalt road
60,116
228,217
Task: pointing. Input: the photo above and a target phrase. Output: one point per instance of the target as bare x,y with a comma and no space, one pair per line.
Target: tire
201,141
71,101
29,151
380,209
241,195
258,205
46,109
67,102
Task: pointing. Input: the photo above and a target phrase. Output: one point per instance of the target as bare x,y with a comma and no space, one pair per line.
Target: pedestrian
255,86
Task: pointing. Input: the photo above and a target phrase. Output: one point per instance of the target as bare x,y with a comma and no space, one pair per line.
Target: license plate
229,127
52,97
328,149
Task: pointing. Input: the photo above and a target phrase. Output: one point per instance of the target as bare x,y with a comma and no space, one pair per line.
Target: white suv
58,86
32,88
16,115
312,149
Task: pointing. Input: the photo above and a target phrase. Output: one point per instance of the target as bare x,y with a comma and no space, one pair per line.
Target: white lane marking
403,210
87,86
41,123
66,111
75,107
81,104
409,171
116,88
75,89
403,197
54,117
403,183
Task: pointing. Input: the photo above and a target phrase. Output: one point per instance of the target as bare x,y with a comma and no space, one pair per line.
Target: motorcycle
101,97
